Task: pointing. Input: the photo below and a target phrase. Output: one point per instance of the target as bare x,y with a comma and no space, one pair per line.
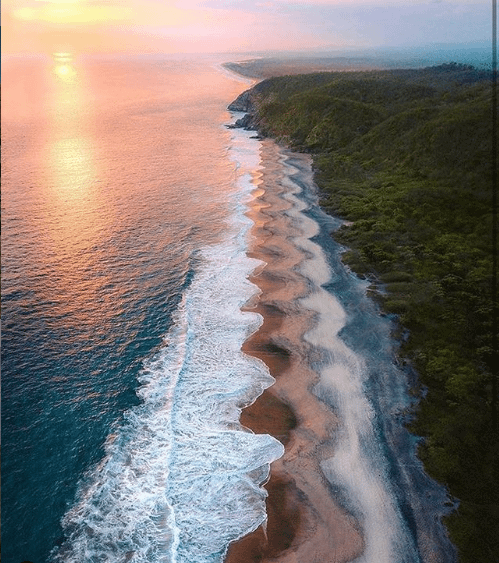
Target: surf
181,477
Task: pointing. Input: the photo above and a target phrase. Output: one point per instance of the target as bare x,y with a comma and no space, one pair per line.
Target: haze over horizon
153,26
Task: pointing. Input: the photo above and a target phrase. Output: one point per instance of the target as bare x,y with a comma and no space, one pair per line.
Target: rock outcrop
244,103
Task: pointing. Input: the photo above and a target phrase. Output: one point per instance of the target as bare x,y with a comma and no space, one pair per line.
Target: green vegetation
405,156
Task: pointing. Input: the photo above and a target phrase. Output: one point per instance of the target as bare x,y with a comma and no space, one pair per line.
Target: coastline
406,193
425,504
304,523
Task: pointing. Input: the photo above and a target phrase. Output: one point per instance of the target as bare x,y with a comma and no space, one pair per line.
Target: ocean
125,265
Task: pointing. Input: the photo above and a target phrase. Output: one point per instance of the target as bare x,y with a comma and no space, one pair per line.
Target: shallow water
374,471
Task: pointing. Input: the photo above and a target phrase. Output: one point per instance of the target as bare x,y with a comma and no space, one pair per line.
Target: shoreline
304,523
424,502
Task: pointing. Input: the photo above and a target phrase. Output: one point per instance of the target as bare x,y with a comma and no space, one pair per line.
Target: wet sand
305,523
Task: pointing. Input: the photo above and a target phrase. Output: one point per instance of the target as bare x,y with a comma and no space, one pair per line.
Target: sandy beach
304,521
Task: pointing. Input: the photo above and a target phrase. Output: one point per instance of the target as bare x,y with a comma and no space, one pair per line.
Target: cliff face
245,102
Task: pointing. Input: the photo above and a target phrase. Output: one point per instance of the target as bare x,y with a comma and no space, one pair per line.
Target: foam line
181,477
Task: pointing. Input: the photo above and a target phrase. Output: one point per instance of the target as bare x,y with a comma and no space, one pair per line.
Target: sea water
124,273
124,270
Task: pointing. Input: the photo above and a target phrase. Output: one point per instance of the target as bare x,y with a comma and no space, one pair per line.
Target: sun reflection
63,70
73,165
74,179
71,159
62,57
78,211
63,67
73,172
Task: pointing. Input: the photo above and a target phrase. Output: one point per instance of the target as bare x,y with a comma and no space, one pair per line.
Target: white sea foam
181,478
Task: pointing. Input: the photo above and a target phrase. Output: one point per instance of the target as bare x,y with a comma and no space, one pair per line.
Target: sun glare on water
63,68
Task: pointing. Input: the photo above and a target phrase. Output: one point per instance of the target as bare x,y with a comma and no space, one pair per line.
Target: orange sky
235,25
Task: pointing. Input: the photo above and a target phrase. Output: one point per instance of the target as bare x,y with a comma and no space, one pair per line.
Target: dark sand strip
305,524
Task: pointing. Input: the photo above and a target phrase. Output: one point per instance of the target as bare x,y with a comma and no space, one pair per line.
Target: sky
170,26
